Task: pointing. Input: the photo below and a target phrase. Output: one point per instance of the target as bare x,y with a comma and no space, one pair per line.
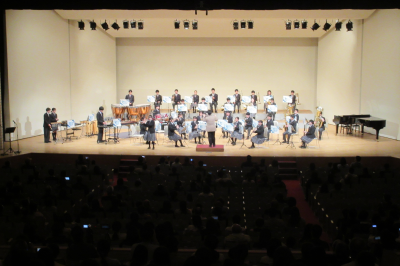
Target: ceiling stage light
93,25
327,26
186,24
250,24
235,25
133,24
104,25
243,24
315,26
195,24
296,24
304,24
140,25
349,26
338,25
81,25
115,26
125,23
177,23
288,24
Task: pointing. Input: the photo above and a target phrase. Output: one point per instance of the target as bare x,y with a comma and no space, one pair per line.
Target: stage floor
340,145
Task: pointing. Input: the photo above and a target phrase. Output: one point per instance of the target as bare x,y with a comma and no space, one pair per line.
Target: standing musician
236,131
176,99
151,133
238,99
269,93
321,125
171,133
143,128
195,101
183,112
296,115
228,101
158,99
210,128
293,104
195,132
214,100
309,136
53,118
292,123
180,122
100,121
47,125
130,97
229,120
270,123
248,124
272,102
259,138
157,112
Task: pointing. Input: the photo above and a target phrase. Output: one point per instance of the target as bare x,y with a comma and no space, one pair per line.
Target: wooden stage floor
334,146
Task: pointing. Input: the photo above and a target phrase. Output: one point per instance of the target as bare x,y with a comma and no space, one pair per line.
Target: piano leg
377,134
337,129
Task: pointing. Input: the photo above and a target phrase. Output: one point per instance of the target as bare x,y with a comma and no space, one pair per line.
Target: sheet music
246,99
117,122
124,102
221,123
208,99
151,99
166,99
272,108
188,99
202,107
267,98
228,107
252,109
287,99
91,118
70,123
274,130
182,108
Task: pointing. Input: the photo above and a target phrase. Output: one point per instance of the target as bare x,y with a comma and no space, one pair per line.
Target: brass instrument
318,121
173,98
286,127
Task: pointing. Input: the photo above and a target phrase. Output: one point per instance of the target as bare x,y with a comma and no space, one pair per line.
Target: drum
94,127
133,111
147,109
117,110
88,127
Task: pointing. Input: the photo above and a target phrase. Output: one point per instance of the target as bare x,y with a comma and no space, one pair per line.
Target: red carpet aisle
294,190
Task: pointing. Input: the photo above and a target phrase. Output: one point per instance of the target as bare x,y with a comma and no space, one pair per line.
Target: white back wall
381,69
226,64
38,68
339,72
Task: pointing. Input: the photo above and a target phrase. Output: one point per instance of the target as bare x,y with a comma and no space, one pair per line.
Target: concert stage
330,146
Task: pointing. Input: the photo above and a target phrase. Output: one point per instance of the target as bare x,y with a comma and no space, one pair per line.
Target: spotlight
349,26
243,24
235,24
195,24
133,24
81,25
315,26
125,23
93,25
327,26
186,24
104,25
250,24
140,25
296,24
288,24
304,24
177,24
115,26
338,25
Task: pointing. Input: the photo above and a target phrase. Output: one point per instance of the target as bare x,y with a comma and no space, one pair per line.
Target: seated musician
195,101
130,97
228,101
309,136
321,125
183,112
199,119
229,120
53,118
180,121
151,133
272,113
157,112
270,123
296,115
195,131
269,93
259,138
158,99
176,99
236,135
287,133
248,124
171,132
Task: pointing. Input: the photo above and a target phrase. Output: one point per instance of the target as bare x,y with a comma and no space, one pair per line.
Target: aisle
294,190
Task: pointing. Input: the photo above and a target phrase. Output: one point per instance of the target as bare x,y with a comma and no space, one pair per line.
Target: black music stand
8,131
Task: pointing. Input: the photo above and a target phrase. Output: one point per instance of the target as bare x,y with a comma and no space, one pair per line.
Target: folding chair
135,133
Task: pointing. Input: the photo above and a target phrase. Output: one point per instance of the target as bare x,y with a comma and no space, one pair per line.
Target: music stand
8,131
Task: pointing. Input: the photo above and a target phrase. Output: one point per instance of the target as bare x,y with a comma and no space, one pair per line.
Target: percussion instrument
95,130
144,109
133,111
117,110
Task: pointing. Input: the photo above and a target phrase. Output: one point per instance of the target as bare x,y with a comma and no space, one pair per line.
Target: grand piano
365,120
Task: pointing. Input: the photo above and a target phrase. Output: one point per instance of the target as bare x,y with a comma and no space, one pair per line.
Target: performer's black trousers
211,138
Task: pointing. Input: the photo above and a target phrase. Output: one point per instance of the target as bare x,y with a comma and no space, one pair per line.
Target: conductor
210,127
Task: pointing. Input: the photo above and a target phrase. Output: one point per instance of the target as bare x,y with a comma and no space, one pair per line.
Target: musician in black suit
292,123
259,138
237,101
214,100
158,99
293,100
100,121
180,122
321,126
54,118
171,133
195,101
235,135
253,97
296,115
248,124
309,136
229,120
195,131
130,97
228,101
272,113
156,111
47,125
176,99
270,123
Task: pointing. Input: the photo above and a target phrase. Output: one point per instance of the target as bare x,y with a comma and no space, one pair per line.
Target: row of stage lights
133,24
316,26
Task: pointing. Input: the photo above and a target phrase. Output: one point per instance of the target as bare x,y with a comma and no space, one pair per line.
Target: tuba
318,122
